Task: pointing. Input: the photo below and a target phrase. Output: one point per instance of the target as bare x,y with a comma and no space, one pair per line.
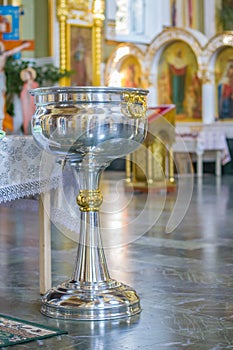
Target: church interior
116,154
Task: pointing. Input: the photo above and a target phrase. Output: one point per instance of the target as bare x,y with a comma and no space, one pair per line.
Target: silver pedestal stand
89,127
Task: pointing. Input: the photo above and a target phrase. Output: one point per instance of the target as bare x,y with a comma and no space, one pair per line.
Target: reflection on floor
184,278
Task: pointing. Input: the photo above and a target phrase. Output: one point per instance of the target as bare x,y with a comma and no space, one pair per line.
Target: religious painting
81,62
173,12
9,22
190,10
178,82
224,84
81,43
131,72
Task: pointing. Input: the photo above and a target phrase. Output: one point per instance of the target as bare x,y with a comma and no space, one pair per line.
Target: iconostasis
180,67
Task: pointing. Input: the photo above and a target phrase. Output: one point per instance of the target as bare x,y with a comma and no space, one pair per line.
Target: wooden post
44,243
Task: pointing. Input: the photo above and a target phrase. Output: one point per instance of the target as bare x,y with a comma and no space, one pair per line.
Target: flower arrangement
47,74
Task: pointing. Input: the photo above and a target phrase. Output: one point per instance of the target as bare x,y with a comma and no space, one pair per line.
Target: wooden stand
151,167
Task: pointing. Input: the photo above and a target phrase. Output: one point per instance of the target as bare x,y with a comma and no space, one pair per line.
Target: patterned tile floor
184,278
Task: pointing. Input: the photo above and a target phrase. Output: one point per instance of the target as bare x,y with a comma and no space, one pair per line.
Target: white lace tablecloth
213,140
21,173
199,142
25,170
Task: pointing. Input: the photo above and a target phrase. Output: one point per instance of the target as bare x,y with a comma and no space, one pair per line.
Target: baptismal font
88,127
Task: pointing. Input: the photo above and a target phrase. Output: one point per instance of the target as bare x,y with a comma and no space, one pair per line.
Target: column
62,13
208,105
208,99
98,17
210,18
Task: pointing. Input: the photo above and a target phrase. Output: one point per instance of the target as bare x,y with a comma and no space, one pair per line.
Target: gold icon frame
73,16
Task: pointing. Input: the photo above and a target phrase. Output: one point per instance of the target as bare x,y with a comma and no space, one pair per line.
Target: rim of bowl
86,89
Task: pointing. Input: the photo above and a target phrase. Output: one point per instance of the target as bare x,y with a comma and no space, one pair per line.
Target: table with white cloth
25,171
206,145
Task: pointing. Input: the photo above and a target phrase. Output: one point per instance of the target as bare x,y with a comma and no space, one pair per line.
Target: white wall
157,15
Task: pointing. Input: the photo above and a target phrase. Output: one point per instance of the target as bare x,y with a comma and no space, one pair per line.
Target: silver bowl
89,127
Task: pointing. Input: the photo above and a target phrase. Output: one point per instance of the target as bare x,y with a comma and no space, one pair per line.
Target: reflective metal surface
76,122
89,127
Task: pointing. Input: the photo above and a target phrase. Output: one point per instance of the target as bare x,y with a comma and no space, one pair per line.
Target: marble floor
177,252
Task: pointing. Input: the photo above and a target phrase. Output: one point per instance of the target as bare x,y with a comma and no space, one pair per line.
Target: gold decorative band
89,200
135,105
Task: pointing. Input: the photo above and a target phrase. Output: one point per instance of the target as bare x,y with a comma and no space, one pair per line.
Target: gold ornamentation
79,5
135,105
92,12
62,14
89,200
151,166
98,21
